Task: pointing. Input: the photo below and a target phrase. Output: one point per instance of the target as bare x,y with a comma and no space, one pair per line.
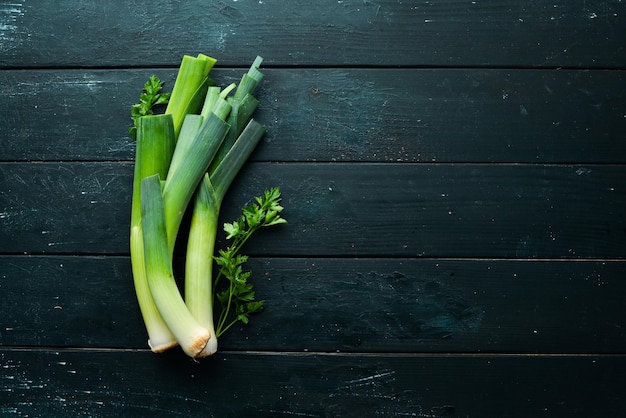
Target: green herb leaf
148,99
239,295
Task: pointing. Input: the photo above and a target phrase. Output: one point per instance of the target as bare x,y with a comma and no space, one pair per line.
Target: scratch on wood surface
10,15
88,82
368,380
368,385
375,394
291,413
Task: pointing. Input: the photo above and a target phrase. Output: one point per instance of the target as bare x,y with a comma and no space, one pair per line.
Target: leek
203,229
243,106
192,76
233,152
182,181
155,145
189,334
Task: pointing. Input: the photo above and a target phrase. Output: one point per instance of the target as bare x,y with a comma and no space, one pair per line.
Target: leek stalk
182,181
155,146
191,337
203,230
233,152
187,92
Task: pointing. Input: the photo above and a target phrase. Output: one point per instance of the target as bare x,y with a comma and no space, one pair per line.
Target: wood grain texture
453,176
411,210
138,384
61,207
326,32
339,305
342,115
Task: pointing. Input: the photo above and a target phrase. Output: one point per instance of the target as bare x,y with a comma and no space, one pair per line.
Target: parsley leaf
239,294
148,99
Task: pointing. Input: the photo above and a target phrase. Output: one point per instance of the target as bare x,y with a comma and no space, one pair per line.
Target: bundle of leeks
186,159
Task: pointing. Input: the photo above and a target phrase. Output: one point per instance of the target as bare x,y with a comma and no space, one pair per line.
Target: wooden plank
348,305
408,115
432,210
523,211
413,305
119,383
60,115
444,115
63,207
325,32
69,301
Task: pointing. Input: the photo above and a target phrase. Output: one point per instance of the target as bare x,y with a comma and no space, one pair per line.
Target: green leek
191,337
203,230
182,181
192,75
155,146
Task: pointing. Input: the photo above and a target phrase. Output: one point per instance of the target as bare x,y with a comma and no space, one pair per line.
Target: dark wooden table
454,174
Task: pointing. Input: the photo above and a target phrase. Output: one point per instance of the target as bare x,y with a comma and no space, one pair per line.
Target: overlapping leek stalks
189,155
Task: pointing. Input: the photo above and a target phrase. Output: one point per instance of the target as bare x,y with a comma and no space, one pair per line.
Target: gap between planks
335,257
324,67
270,353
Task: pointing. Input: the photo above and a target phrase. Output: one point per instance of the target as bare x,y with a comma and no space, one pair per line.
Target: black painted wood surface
346,114
341,209
453,172
322,33
77,383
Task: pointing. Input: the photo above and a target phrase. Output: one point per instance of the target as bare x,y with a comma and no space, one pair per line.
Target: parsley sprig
148,99
239,294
